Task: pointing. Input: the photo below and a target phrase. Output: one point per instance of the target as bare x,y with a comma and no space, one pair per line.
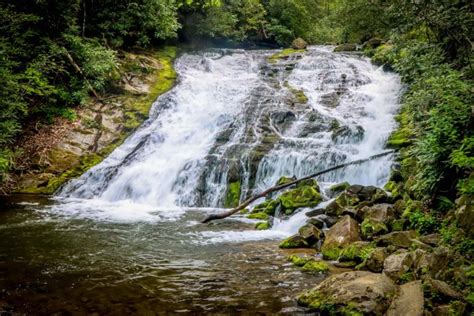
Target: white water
179,159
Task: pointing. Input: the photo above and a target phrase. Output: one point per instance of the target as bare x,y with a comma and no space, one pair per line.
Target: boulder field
392,267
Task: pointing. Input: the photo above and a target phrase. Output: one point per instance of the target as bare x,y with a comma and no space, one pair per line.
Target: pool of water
55,262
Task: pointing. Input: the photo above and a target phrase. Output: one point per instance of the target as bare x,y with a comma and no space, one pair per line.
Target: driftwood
253,198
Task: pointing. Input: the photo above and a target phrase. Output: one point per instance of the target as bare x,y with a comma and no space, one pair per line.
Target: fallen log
255,197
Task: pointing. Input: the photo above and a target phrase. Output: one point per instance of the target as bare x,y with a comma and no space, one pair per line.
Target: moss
268,207
331,253
306,196
357,251
233,194
259,215
398,225
285,180
300,96
299,261
294,241
262,226
350,310
371,227
316,266
339,187
283,54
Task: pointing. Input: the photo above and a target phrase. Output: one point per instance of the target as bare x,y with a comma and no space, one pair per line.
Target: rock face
358,291
344,232
409,301
398,239
299,43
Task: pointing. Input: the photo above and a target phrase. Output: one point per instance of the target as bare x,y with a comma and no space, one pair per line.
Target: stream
125,237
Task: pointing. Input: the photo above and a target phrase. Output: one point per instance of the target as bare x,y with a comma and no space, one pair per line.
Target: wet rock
358,291
268,207
368,193
310,233
372,43
299,260
319,223
402,239
343,233
397,264
409,300
262,226
295,241
345,47
416,244
441,290
343,201
299,43
285,180
258,215
376,259
315,212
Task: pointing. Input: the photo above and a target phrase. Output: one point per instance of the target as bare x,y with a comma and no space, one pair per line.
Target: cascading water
237,117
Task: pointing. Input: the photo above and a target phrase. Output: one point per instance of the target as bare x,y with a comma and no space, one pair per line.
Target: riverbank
53,154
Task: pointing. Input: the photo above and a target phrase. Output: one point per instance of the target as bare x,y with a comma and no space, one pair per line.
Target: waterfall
236,117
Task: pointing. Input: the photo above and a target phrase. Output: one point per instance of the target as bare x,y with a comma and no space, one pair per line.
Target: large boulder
345,48
295,241
368,193
397,264
356,252
441,290
360,292
409,300
343,233
304,196
379,212
299,43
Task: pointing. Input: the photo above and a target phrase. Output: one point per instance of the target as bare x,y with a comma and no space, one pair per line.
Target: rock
357,251
262,226
441,290
299,43
310,233
316,266
400,239
465,214
454,309
298,260
372,43
345,48
372,227
268,207
319,223
259,215
409,300
295,241
376,259
416,244
397,264
358,291
285,180
339,187
379,212
343,233
431,239
315,212
343,201
306,196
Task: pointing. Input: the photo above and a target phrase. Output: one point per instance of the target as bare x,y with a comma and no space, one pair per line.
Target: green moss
299,261
262,226
294,241
357,252
300,96
233,194
284,53
331,253
316,266
306,196
259,215
339,187
398,225
285,180
267,207
371,227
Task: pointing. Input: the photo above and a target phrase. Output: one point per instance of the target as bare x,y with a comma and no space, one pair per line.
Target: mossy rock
299,43
371,227
262,225
268,207
232,198
305,196
316,266
336,188
284,54
309,182
310,233
348,47
299,261
357,251
295,241
259,215
285,180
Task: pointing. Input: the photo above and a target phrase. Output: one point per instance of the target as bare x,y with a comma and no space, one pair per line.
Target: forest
55,56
